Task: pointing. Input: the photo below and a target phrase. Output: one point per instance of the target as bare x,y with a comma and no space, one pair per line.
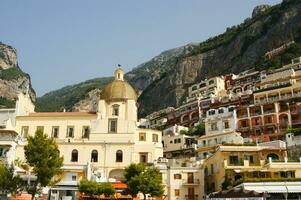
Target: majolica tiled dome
118,89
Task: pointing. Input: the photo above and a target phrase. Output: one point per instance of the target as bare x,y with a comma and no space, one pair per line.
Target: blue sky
62,42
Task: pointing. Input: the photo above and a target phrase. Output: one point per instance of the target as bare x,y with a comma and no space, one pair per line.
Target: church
95,145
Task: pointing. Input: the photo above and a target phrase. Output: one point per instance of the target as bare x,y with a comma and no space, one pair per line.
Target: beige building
97,145
214,86
233,165
182,180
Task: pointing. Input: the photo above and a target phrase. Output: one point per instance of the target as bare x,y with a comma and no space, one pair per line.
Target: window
55,132
119,156
211,112
233,159
70,131
73,178
86,131
24,131
177,176
214,127
155,138
2,152
115,110
112,125
230,109
220,111
178,140
211,82
94,156
143,157
40,128
226,124
142,137
74,155
177,192
194,88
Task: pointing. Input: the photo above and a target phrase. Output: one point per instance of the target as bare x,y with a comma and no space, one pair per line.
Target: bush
92,188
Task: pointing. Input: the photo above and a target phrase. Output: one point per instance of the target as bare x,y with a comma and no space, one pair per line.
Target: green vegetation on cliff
7,103
12,73
66,97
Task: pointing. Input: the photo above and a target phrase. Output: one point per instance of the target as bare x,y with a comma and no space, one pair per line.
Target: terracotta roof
61,114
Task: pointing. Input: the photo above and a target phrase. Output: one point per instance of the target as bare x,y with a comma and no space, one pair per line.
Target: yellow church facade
97,144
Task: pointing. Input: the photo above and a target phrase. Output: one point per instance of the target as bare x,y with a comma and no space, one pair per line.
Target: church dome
118,89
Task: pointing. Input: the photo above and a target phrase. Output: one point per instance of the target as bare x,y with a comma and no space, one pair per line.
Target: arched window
115,110
94,156
211,82
119,156
74,155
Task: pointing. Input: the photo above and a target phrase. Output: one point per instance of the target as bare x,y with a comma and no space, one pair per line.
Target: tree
43,156
147,180
9,183
93,188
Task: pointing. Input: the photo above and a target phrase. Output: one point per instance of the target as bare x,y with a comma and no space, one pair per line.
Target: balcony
191,197
255,113
244,115
191,182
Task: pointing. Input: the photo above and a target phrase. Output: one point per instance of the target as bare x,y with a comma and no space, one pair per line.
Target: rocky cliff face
12,79
163,81
250,41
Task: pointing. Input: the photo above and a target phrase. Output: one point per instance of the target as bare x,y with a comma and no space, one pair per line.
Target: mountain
12,79
163,81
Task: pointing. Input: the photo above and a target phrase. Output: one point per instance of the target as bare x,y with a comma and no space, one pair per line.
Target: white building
108,139
220,126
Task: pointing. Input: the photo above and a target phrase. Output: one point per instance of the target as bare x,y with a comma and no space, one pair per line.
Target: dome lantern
119,89
119,73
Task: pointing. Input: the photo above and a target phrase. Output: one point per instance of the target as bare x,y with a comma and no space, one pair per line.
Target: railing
255,113
191,181
269,111
283,97
191,197
242,115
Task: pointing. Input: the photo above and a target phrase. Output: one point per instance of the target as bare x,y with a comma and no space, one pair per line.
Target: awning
273,187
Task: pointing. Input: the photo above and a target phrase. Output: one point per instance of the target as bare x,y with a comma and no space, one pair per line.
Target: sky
63,42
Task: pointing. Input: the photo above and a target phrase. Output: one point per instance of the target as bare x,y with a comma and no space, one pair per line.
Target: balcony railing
242,115
191,197
191,182
255,113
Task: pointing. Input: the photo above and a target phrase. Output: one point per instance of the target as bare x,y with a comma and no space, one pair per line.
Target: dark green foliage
9,183
66,97
148,181
7,103
93,188
197,130
12,73
43,156
295,131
